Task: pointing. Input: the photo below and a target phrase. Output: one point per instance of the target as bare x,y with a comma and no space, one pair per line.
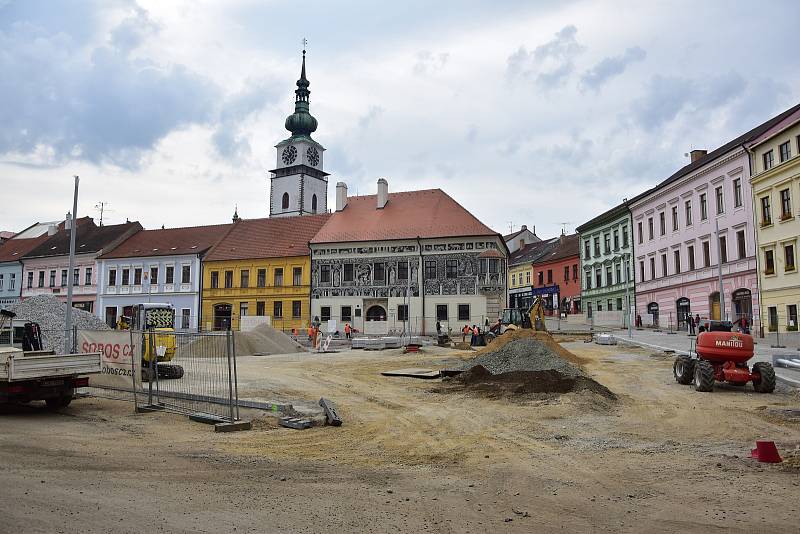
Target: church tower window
314,203
285,201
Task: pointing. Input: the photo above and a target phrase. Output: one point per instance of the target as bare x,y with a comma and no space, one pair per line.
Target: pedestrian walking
690,320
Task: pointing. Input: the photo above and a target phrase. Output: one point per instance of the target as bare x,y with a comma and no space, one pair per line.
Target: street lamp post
70,272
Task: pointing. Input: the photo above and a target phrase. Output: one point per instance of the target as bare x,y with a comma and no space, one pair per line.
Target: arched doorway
222,316
713,306
742,305
652,309
684,311
376,313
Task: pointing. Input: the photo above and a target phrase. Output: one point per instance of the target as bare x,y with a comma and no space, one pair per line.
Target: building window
653,268
463,312
513,280
41,278
214,279
87,276
314,203
1,281
154,276
76,277
723,249
703,207
688,209
586,250
549,276
566,273
706,254
186,314
186,274
541,278
451,269
574,271
599,306
325,313
737,193
297,276
773,318
588,280
378,272
285,201
650,228
402,270
610,305
690,256
528,277
598,277
277,276
788,255
348,272
441,312
63,277
786,205
112,277
242,309
607,243
785,151
261,278
618,272
720,200
609,279
430,269
297,309
347,313
619,303
169,275
641,271
402,312
30,279
677,254
52,278
662,222
261,308
616,239
641,234
740,244
624,237
12,282
597,246
766,213
277,309
664,265
791,312
674,218
244,278
769,262
137,276
769,160
228,279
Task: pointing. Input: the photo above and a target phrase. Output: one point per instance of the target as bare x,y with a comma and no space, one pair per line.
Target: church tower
298,185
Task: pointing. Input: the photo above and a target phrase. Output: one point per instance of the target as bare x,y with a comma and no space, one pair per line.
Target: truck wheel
703,376
683,369
766,384
489,337
56,403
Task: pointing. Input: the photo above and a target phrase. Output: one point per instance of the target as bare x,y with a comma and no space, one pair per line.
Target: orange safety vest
475,331
347,329
310,331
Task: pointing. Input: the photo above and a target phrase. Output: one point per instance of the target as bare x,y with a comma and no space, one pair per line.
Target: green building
606,250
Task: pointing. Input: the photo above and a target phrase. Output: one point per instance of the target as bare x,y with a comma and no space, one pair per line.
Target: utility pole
719,273
70,272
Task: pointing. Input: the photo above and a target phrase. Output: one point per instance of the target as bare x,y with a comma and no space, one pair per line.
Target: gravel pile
524,355
51,314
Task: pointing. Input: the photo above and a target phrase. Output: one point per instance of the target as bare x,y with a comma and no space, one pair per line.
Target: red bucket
767,452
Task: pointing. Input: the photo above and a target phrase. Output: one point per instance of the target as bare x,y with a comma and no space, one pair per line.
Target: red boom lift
722,356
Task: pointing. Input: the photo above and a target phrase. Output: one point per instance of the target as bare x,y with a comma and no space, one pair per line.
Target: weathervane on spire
305,42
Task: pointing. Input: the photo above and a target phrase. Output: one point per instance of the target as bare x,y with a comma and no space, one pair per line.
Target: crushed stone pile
262,340
51,314
527,362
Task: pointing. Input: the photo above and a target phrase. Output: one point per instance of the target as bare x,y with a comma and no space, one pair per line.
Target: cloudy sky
526,112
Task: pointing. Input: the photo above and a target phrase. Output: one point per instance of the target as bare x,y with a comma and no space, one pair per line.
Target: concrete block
236,426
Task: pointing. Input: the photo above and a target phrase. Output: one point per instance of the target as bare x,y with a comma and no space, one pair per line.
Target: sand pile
527,362
262,340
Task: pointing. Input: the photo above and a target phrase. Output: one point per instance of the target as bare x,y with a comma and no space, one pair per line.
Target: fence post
152,369
229,336
74,339
235,378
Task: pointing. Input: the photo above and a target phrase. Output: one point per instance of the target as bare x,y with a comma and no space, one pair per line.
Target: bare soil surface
414,456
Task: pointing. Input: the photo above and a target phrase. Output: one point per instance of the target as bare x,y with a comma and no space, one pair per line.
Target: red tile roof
428,213
7,235
14,249
268,238
563,247
89,238
170,241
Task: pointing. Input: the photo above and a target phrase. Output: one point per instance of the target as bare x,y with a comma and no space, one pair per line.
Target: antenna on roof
564,227
510,227
102,207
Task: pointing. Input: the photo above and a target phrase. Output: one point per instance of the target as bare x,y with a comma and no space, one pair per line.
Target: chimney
524,227
383,192
341,196
697,154
52,230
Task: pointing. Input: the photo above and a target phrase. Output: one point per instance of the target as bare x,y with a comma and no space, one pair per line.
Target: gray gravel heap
523,355
51,314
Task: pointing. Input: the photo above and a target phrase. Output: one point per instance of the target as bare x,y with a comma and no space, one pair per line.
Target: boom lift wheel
766,384
703,376
683,369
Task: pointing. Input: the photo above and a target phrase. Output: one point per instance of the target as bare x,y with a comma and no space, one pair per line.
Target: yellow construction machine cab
533,317
159,317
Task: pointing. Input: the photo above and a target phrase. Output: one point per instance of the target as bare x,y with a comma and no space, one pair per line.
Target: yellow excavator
516,318
157,322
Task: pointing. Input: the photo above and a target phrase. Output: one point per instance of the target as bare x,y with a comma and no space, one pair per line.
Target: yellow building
260,269
775,164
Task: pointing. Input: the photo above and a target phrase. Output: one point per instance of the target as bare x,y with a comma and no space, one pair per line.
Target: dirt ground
414,456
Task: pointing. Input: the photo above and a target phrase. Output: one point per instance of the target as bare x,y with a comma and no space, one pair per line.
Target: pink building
45,268
677,247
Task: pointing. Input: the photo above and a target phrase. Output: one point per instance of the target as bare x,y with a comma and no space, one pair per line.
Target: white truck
42,375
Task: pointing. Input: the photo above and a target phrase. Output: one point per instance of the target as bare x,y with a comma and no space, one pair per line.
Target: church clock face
313,156
289,155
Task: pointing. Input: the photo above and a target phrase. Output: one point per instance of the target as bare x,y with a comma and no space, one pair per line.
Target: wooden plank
413,372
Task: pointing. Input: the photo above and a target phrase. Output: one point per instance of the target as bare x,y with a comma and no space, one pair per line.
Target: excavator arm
536,315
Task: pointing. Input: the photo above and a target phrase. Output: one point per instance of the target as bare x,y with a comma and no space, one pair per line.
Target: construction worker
464,332
310,333
474,340
347,330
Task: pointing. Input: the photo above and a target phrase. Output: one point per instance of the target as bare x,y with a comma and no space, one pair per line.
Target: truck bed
16,365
